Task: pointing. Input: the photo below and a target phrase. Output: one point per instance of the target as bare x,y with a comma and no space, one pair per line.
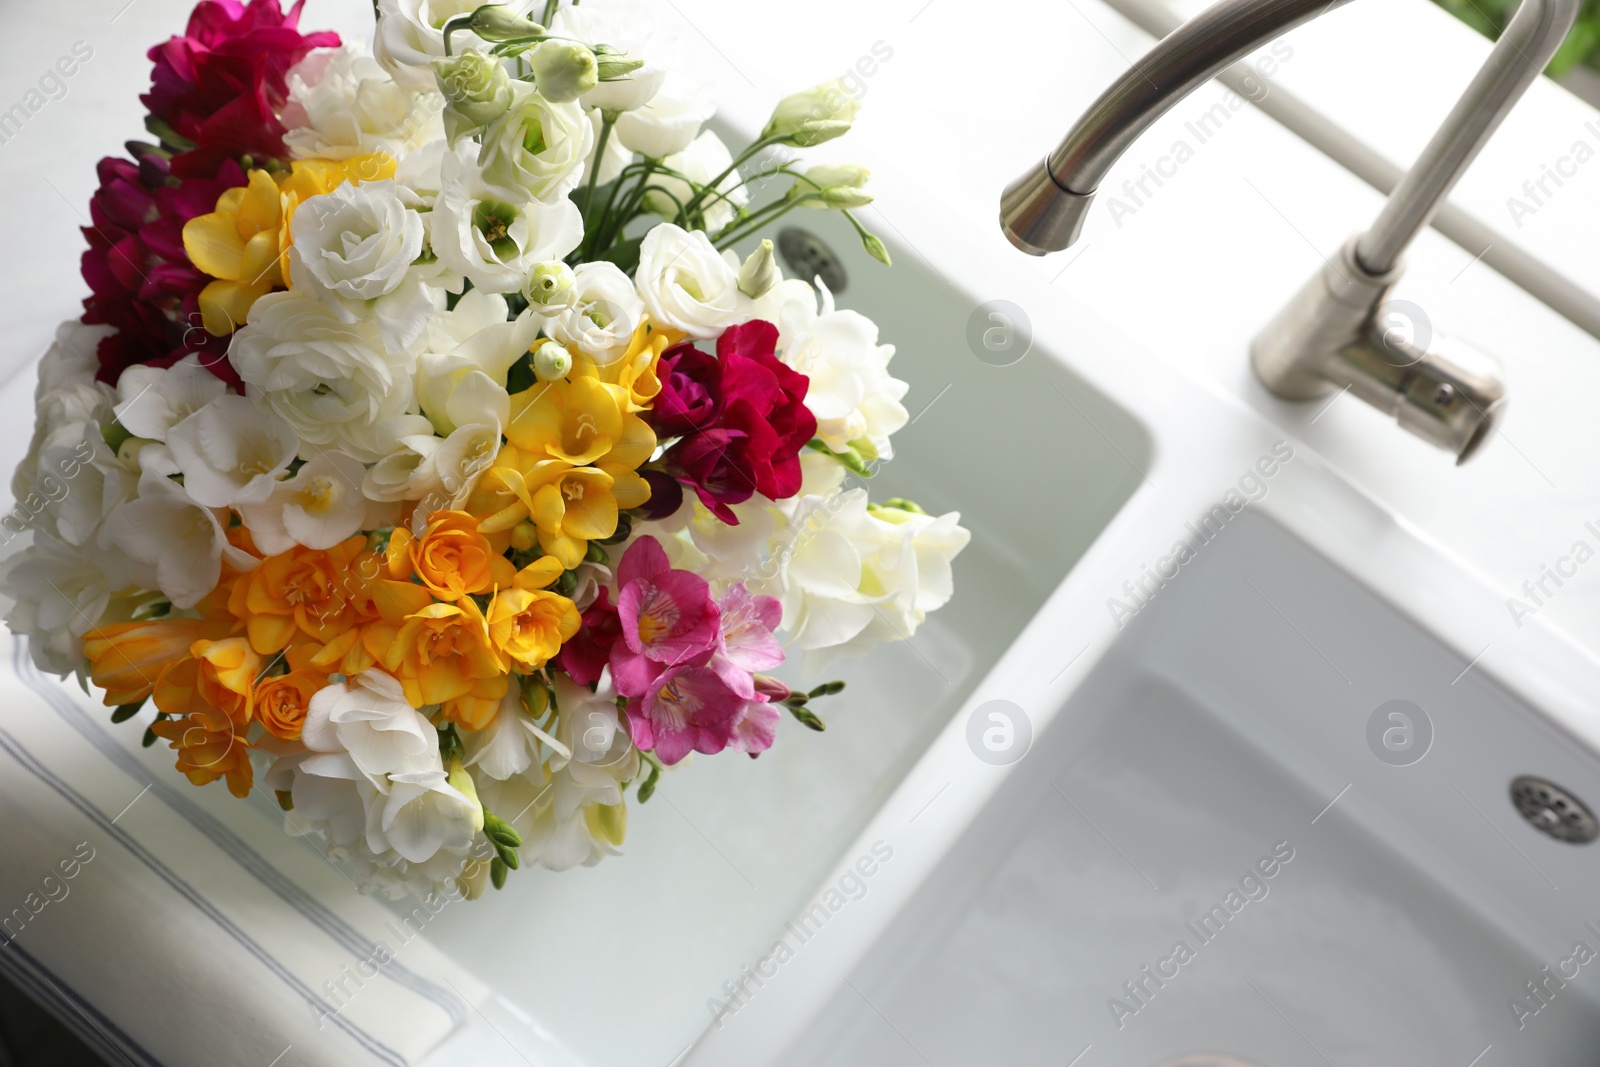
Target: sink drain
1553,811
1207,1059
809,258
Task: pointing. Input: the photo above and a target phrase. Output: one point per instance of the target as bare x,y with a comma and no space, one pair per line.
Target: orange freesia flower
210,698
281,701
439,652
126,659
527,623
452,558
305,594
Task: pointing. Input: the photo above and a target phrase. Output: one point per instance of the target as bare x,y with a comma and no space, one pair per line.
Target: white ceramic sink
728,849
1397,924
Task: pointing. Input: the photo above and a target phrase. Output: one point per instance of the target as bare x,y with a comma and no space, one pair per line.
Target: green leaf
125,712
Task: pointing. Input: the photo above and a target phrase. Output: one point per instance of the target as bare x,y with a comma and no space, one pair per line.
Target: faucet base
1342,331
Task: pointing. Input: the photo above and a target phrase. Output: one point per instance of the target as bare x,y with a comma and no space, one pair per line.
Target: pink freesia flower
745,643
668,616
686,709
755,728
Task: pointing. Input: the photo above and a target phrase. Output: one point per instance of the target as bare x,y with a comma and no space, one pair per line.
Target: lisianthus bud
551,287
551,362
840,187
497,22
563,70
760,272
615,65
477,90
815,115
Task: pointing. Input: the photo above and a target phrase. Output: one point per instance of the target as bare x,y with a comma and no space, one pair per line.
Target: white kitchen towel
181,927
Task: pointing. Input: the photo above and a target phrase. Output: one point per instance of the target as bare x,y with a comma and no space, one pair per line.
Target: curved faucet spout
1333,334
1043,211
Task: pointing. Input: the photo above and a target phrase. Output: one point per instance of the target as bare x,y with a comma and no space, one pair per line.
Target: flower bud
524,535
836,187
462,782
551,362
497,22
816,115
615,65
476,89
563,70
551,287
775,691
760,272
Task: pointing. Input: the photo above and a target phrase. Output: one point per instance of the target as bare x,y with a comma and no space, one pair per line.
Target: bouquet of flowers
425,450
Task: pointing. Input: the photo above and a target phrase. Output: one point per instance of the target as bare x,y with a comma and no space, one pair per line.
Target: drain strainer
1207,1059
809,258
1553,811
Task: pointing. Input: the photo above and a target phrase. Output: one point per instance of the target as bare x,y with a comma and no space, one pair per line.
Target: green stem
549,11
770,213
593,223
764,142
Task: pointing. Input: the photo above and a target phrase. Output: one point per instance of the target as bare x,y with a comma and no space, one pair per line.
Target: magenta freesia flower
685,662
223,82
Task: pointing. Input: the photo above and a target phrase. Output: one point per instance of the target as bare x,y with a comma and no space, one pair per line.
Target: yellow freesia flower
528,624
570,464
244,243
633,377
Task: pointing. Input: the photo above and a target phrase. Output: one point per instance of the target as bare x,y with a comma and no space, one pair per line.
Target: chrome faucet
1334,333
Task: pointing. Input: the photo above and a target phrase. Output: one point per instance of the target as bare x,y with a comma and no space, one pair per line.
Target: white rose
852,393
334,381
342,103
605,313
411,35
353,250
686,284
495,243
537,149
665,126
703,160
231,452
364,729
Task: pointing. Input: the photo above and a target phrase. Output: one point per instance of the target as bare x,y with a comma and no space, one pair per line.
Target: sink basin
1389,906
728,849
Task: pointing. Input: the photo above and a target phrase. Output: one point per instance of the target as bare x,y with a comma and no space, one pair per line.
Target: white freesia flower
604,315
319,507
231,452
461,378
73,358
353,250
703,160
152,400
343,103
69,479
510,743
421,815
665,126
537,149
852,576
334,381
495,243
411,35
439,472
686,283
363,729
852,393
175,544
59,592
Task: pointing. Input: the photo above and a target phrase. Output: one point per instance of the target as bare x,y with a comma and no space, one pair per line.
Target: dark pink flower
685,709
746,419
584,657
668,616
745,643
222,84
